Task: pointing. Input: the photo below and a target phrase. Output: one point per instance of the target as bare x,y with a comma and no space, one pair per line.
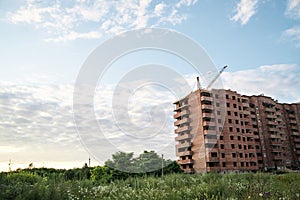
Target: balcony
206,107
294,127
269,109
211,141
245,99
297,140
182,129
271,123
205,93
297,146
279,119
275,136
298,152
207,115
183,145
273,129
208,123
181,114
293,122
270,116
183,137
209,132
272,132
291,115
185,153
181,100
205,98
295,133
187,161
182,121
185,106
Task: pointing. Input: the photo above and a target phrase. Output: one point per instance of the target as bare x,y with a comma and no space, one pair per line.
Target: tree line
122,166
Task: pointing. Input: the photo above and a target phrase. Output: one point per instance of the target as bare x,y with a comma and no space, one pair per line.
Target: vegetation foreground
87,183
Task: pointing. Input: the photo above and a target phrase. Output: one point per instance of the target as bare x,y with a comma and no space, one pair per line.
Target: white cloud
293,8
144,123
92,19
75,35
36,114
293,34
186,3
244,11
277,81
39,119
159,9
293,11
172,18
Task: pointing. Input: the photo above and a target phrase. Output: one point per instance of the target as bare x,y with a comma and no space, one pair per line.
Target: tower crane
216,77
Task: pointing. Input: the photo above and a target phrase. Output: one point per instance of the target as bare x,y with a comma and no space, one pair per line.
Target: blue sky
44,45
33,44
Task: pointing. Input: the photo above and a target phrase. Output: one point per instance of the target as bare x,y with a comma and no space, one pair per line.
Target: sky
44,45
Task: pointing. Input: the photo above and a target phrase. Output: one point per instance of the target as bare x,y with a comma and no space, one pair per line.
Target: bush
106,183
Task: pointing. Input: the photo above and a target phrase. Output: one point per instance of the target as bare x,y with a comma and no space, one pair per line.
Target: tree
102,174
172,167
148,161
121,161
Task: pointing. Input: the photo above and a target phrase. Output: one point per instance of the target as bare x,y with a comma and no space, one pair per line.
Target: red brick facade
221,130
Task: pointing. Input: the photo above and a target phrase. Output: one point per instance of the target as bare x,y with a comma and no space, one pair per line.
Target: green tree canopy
146,162
121,161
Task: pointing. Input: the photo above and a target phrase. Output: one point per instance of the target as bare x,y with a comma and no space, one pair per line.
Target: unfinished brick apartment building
221,130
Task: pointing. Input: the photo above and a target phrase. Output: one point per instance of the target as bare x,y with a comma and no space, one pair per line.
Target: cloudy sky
45,43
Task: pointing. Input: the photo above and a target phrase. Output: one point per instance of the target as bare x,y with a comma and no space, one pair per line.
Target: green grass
25,185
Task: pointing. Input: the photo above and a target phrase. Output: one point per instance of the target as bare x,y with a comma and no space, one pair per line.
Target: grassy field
27,185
